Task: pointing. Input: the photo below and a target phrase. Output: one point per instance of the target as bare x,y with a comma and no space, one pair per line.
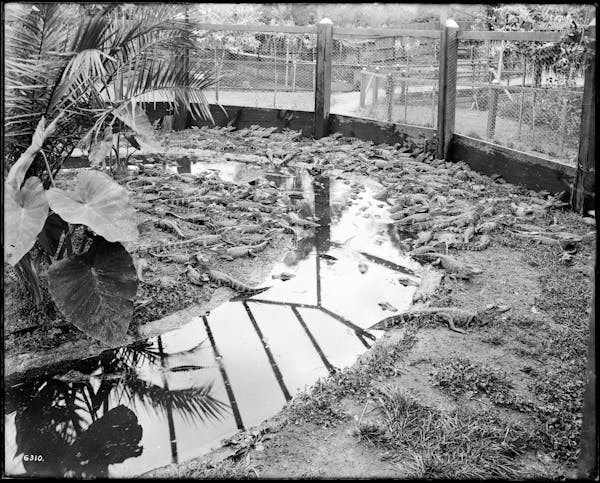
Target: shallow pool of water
176,396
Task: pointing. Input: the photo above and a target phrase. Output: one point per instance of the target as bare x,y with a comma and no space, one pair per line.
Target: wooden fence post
375,84
294,76
582,194
447,83
323,77
389,92
363,86
492,108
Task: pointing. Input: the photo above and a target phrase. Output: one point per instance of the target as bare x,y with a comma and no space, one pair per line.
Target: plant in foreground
94,289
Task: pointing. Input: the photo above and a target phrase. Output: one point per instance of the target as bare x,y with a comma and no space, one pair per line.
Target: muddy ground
526,369
502,400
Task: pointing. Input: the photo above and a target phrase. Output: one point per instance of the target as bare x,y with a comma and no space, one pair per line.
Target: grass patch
460,377
433,444
322,403
226,469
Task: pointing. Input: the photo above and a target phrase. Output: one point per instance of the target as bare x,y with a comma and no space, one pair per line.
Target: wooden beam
495,35
258,28
379,33
380,132
582,198
323,78
533,172
447,89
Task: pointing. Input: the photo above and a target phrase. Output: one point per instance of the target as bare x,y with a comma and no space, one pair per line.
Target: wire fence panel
386,78
513,100
272,69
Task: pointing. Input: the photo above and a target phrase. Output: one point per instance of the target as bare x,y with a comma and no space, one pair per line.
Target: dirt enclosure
500,397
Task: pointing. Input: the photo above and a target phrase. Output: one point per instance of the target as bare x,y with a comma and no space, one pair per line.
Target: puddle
176,396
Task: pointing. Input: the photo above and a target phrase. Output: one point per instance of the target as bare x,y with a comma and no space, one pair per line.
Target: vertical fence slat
323,77
447,83
363,86
389,88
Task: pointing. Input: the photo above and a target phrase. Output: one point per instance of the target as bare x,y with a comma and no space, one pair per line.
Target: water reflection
162,401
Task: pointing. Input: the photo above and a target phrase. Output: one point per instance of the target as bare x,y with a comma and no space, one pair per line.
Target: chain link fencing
505,93
261,69
386,78
510,98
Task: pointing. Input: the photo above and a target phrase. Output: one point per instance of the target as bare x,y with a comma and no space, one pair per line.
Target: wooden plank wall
377,131
514,166
242,117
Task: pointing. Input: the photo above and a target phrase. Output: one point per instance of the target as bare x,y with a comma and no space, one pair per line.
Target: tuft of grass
226,469
434,444
322,403
461,377
457,376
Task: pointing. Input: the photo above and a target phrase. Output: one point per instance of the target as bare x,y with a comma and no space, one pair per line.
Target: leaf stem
48,168
65,240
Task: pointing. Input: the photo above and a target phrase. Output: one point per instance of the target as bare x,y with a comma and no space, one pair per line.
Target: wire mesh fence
387,78
272,69
506,91
514,100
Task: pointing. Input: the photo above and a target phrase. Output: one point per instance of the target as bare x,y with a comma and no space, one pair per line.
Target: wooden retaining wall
487,158
514,166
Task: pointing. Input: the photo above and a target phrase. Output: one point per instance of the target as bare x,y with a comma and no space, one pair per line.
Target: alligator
412,219
479,245
198,218
451,314
453,267
225,280
170,226
203,240
243,250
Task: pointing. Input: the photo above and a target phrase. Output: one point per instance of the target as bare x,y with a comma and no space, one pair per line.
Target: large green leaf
25,213
101,148
135,118
98,202
95,290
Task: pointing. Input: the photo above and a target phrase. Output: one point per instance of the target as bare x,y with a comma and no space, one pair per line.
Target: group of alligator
437,205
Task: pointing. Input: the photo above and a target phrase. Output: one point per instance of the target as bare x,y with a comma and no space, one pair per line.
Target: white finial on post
451,24
326,21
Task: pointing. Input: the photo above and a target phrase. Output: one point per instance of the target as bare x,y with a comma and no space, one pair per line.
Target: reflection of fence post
582,195
323,77
363,86
492,108
447,83
389,90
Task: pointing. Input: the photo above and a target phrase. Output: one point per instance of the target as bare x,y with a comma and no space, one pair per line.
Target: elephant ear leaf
98,202
49,237
136,119
25,212
101,148
95,290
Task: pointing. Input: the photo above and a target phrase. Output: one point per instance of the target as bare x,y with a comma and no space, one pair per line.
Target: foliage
95,290
565,57
98,202
88,69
